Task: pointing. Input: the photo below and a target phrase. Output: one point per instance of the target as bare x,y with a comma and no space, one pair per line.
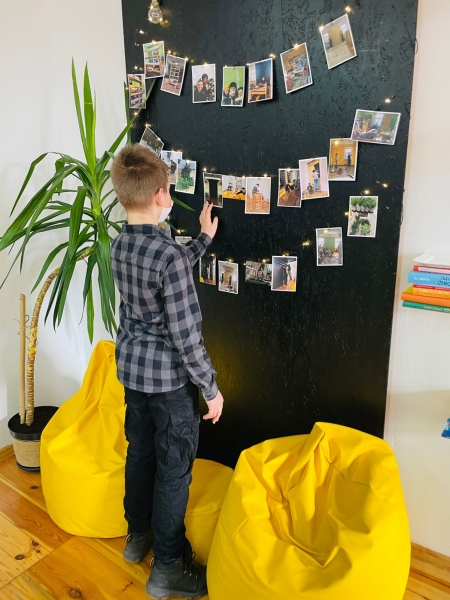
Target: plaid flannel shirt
159,343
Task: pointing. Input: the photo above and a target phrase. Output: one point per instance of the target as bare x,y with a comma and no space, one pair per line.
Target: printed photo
182,239
338,42
212,186
233,187
151,141
258,272
362,219
208,270
314,178
203,83
284,277
260,80
136,91
257,195
296,68
171,159
329,247
289,187
228,277
233,86
342,159
187,171
153,59
173,76
375,127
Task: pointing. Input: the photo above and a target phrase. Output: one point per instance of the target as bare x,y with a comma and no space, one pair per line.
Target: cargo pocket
182,442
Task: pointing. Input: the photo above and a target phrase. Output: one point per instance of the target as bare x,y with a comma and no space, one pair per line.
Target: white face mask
165,211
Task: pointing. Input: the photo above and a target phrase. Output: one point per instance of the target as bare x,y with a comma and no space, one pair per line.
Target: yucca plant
84,212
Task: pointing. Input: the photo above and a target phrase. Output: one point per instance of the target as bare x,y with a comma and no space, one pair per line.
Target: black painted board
287,360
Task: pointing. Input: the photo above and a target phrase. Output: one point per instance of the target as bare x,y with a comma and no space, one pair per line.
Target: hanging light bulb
155,13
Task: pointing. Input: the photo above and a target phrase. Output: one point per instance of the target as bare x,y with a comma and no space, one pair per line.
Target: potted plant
87,220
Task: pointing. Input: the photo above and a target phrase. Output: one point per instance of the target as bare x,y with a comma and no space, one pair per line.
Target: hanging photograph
375,127
153,59
260,80
173,75
233,187
151,141
342,159
136,91
208,270
296,68
171,158
314,178
329,247
187,171
338,42
233,86
258,272
257,195
182,239
363,214
284,273
228,277
203,83
289,188
212,186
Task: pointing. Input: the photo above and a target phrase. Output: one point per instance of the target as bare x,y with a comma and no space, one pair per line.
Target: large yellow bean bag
82,456
313,517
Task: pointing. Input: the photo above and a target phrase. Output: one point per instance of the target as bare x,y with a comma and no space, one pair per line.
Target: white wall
37,42
419,381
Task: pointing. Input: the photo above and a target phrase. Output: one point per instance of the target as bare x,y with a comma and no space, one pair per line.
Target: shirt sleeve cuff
211,392
204,239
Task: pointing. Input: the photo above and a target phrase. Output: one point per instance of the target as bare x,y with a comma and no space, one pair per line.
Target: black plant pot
27,438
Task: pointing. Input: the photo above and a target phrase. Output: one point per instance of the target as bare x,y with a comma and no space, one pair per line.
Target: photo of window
136,91
375,127
342,159
260,80
296,68
329,247
338,42
153,59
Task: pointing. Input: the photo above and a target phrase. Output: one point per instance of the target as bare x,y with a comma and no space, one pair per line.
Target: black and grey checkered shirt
159,343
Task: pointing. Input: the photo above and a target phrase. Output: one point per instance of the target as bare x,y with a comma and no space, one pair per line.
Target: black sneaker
137,546
181,578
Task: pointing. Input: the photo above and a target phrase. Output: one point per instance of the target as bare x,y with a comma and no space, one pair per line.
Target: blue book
426,306
446,432
432,279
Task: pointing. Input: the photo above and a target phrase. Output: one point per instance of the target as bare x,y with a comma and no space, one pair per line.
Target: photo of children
257,195
284,273
207,270
289,187
171,159
153,59
329,247
338,42
260,80
258,272
151,141
363,213
342,159
187,171
203,83
314,178
212,187
233,86
228,277
182,239
136,91
233,187
173,75
296,68
375,127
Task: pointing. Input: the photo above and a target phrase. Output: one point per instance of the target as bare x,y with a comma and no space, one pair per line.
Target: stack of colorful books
430,279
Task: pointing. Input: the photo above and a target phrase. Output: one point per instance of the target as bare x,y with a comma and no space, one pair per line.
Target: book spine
426,306
436,279
431,292
431,287
442,270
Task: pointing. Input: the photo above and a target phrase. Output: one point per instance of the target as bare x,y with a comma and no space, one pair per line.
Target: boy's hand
214,406
208,225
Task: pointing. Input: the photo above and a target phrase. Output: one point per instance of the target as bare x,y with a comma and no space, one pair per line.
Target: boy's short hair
137,174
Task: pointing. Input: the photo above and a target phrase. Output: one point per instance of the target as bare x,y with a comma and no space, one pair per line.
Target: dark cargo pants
162,432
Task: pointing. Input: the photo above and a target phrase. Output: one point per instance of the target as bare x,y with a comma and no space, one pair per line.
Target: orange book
432,293
409,296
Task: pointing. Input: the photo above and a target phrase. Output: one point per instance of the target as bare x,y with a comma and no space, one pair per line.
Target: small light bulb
289,169
265,174
367,192
336,143
346,214
388,100
326,230
168,52
135,112
141,32
385,185
186,57
226,66
135,67
348,9
204,169
295,45
321,28
272,55
179,230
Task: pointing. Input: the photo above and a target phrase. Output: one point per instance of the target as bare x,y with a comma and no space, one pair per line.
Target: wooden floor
39,561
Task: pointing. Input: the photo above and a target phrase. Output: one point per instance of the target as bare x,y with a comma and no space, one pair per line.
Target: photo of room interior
375,127
257,195
258,272
289,187
284,273
338,42
153,59
151,141
342,160
136,91
212,186
233,187
228,277
314,178
296,68
171,158
173,74
260,80
329,247
207,270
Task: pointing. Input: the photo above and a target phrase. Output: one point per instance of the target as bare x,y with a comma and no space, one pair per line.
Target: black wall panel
287,360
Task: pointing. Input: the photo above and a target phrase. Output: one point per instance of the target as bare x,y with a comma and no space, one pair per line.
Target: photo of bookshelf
136,91
153,59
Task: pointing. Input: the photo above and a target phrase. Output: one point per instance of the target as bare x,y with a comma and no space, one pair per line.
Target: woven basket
27,452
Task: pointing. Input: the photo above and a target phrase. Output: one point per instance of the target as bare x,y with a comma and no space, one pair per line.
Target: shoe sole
162,594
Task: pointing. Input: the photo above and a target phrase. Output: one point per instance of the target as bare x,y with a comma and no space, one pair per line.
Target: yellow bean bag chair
313,517
82,456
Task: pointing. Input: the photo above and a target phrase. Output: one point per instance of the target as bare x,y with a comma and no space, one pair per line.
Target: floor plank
28,483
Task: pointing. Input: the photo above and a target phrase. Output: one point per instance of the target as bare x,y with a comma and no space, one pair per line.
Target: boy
161,361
